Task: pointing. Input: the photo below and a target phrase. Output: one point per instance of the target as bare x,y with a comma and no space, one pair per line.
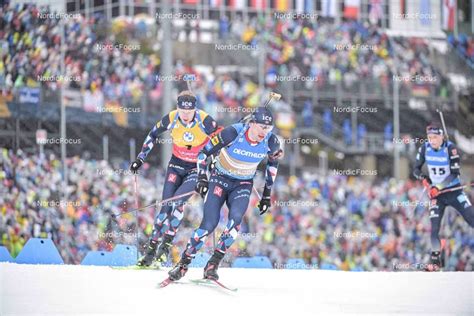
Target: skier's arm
271,170
274,153
420,160
160,127
219,141
210,126
454,162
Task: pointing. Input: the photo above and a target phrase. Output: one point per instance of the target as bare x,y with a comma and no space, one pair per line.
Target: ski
165,283
152,268
213,282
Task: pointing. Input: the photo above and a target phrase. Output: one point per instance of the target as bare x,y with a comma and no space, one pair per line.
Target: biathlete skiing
443,163
240,148
190,130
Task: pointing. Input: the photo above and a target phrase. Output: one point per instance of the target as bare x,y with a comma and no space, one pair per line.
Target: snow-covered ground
87,290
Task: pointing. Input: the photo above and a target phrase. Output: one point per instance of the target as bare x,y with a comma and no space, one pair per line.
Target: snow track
89,290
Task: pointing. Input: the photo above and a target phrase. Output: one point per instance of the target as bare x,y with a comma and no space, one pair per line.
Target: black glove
136,165
422,176
265,202
202,185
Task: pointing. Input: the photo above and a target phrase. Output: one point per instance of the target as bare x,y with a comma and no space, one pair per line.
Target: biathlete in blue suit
240,147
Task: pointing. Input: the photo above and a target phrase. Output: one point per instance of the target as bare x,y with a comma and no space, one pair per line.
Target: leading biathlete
240,147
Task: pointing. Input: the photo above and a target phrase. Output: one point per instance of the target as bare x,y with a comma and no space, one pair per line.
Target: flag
72,98
238,4
120,116
281,5
258,4
328,8
376,11
93,101
29,95
448,14
351,9
425,12
305,6
215,3
4,111
403,8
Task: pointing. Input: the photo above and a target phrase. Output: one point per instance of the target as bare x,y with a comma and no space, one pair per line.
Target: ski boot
164,248
180,268
435,264
147,259
210,270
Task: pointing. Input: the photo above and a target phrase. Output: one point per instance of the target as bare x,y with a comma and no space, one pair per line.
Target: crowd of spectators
322,52
95,57
347,223
464,46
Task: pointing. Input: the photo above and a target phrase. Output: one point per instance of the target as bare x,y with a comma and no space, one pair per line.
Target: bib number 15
438,171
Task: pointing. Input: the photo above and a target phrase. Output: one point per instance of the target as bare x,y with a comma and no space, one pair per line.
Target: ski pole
416,205
136,216
136,192
256,192
456,188
156,203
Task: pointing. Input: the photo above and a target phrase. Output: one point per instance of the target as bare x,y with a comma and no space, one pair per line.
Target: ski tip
213,282
165,283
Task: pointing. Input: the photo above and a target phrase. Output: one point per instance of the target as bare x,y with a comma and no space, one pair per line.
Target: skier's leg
437,207
212,206
436,215
461,203
215,198
237,201
177,206
176,215
173,180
